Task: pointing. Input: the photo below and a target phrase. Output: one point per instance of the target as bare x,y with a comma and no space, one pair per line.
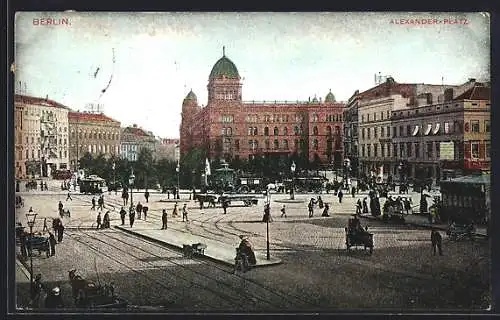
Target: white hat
56,291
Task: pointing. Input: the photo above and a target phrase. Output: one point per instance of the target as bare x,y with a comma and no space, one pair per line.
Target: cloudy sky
154,59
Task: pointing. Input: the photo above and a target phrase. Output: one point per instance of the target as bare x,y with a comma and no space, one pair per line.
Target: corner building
230,128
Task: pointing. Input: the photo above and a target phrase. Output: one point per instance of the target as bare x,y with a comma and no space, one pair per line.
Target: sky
154,59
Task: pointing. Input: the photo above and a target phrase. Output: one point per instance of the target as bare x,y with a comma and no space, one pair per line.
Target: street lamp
178,169
131,183
292,169
347,167
114,177
267,233
31,217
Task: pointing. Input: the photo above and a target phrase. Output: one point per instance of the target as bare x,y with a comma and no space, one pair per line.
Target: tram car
91,185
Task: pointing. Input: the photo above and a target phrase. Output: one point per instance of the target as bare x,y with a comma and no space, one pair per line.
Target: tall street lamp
267,234
31,217
292,192
114,177
178,169
131,183
347,168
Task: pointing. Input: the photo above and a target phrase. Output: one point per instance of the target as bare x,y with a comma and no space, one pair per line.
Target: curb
23,268
180,249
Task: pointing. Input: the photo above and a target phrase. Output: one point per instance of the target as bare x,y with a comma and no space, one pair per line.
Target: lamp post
178,169
267,235
114,177
31,217
347,168
131,183
292,170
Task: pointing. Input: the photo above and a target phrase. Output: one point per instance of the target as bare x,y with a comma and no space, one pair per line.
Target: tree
165,169
144,169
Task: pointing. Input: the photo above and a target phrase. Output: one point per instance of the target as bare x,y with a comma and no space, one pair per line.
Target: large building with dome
230,128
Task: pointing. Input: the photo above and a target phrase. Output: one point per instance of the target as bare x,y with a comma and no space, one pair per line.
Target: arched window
285,144
328,130
267,144
296,130
276,144
285,131
266,131
250,131
255,131
315,130
276,132
315,144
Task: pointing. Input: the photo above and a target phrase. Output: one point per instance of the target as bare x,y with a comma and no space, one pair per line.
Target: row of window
400,131
374,118
286,118
254,144
32,153
51,140
96,135
298,130
412,149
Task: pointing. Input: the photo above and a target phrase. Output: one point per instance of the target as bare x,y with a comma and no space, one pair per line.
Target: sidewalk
422,221
216,250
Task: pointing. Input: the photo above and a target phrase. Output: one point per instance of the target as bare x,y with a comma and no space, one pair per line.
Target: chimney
46,97
309,99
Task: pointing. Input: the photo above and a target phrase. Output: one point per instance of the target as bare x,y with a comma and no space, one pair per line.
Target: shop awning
436,129
415,131
428,130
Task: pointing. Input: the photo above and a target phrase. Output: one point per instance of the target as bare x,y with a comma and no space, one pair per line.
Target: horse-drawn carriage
88,294
356,236
393,210
39,243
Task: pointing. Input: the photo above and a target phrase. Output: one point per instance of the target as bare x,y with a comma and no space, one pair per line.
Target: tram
91,185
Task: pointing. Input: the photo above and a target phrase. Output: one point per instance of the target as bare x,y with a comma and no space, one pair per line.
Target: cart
356,236
39,243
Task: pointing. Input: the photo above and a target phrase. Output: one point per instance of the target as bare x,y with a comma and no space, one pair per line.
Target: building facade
133,139
463,121
351,132
166,148
94,133
377,153
20,163
231,128
44,135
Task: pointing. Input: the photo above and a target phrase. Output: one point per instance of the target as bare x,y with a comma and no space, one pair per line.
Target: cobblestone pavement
317,273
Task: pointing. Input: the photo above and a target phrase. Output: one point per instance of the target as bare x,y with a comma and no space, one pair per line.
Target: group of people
52,299
100,203
103,223
33,185
322,205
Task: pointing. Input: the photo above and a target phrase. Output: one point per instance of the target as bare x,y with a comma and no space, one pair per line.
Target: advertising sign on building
447,151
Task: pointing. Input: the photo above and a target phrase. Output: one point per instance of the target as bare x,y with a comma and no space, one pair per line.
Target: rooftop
38,101
479,179
89,116
478,92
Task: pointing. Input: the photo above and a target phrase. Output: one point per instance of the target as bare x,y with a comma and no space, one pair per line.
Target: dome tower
224,81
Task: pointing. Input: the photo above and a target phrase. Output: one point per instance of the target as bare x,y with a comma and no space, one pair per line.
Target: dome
315,99
330,97
190,96
224,67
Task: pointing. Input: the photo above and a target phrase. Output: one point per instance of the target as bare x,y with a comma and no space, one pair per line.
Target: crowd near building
230,128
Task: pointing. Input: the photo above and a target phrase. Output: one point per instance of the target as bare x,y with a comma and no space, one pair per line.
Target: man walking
174,212
353,191
93,204
185,213
138,208
61,206
164,219
52,242
283,212
146,195
310,206
123,213
98,221
60,232
145,211
45,228
131,216
69,196
436,240
340,195
225,205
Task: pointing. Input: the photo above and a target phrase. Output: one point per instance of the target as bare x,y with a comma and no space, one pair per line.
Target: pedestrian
102,197
283,211
93,204
340,195
60,232
359,207
326,211
98,220
145,211
200,199
46,187
38,287
225,204
164,219
267,213
185,213
52,242
174,212
45,228
146,195
365,205
436,240
106,221
320,202
125,197
61,206
30,210
69,196
310,206
131,216
123,213
353,191
54,300
138,208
